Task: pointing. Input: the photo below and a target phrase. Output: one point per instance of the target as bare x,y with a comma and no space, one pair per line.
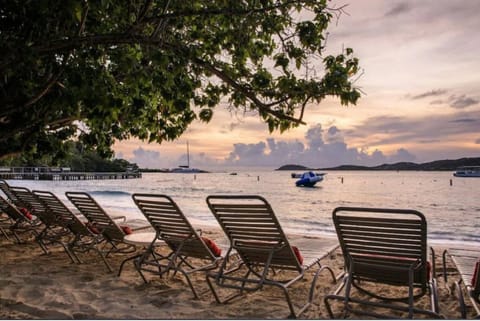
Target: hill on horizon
438,165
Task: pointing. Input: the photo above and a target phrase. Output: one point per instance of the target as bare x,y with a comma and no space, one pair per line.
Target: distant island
439,165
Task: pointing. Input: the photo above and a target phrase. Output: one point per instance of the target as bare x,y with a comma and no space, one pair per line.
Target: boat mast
188,156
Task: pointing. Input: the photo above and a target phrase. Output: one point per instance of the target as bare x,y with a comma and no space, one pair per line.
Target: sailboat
186,168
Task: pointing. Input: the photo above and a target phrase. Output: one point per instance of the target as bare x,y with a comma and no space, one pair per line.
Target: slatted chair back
96,216
55,205
382,241
11,211
5,187
172,226
254,231
25,198
21,223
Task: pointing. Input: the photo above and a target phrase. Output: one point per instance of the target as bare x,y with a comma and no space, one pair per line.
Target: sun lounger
467,262
264,250
55,230
100,222
388,247
190,252
84,240
17,221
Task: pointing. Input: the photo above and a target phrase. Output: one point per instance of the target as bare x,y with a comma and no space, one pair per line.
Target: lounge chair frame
83,239
172,226
104,223
17,222
383,246
464,260
256,235
55,230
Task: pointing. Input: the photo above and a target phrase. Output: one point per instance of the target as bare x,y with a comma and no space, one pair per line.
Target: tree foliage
100,71
73,156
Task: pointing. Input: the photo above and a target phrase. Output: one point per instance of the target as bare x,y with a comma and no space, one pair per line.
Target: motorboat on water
299,175
467,171
309,179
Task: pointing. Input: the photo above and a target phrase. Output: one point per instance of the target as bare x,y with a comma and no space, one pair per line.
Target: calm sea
451,205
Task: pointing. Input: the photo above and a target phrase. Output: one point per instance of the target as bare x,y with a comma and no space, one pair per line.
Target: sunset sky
420,102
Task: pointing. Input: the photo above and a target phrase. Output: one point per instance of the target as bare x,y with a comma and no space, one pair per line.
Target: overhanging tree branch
265,108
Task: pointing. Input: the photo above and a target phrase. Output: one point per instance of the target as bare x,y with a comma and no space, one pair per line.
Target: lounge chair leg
195,295
125,261
215,294
461,299
315,278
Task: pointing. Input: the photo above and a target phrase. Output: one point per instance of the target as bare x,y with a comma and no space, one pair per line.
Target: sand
38,286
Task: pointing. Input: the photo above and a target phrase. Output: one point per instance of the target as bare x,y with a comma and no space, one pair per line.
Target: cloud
146,158
477,141
246,154
434,93
398,9
460,102
321,149
402,155
464,120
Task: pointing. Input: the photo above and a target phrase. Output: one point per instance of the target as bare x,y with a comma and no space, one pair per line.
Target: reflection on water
451,205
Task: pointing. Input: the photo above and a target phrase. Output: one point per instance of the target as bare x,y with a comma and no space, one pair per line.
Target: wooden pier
61,174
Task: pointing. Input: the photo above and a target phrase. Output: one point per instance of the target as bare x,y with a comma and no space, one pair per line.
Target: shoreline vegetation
439,165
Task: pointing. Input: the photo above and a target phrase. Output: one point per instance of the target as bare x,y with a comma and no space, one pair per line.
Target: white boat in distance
186,168
467,171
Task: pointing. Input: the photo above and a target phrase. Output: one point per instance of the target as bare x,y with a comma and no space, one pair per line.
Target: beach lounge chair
467,262
255,234
387,247
18,222
84,240
100,222
190,252
55,229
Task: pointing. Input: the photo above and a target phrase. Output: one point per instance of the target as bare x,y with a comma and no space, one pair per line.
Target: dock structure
61,174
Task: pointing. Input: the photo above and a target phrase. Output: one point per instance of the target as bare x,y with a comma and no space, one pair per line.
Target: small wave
112,193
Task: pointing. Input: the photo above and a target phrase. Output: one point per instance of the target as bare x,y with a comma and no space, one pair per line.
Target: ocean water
451,205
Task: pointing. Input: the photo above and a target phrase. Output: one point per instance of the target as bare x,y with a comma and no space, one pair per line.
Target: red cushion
92,227
475,274
212,246
297,254
126,229
26,213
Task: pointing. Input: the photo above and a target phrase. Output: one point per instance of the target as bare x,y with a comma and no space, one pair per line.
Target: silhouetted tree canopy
100,71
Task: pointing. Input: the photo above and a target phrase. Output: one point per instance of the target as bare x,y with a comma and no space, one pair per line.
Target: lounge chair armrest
432,261
141,228
119,217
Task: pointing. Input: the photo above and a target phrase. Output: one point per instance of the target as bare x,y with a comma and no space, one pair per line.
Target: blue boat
309,179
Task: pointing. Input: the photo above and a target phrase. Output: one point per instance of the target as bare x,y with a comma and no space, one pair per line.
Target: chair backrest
6,190
171,225
253,230
25,198
55,205
382,241
95,214
11,211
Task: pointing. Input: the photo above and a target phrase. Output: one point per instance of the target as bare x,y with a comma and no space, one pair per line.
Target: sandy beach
38,286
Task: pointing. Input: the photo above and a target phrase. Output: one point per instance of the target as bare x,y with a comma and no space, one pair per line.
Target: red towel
212,246
297,254
26,213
